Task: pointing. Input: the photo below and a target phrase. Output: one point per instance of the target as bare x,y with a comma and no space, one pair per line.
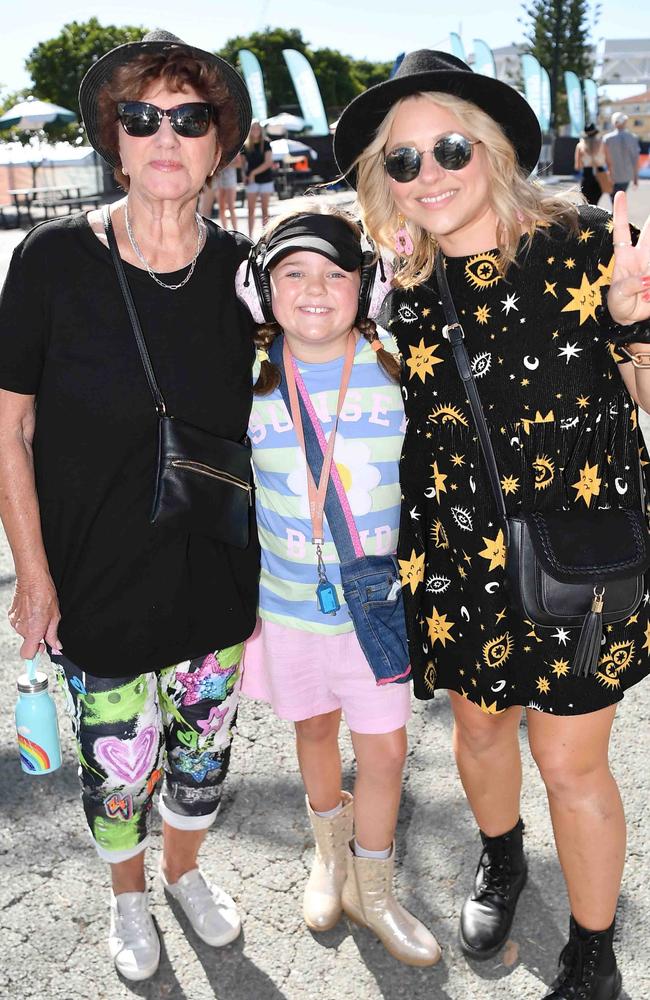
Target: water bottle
36,723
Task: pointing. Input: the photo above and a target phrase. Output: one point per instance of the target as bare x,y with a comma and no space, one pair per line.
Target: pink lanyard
317,495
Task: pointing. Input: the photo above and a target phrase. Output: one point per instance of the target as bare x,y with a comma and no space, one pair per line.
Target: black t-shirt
255,157
133,597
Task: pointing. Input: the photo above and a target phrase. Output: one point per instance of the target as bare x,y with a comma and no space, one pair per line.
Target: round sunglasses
141,119
452,152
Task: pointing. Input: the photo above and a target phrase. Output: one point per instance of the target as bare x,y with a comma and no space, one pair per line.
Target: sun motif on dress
411,571
495,551
447,414
544,471
585,299
440,628
422,360
588,485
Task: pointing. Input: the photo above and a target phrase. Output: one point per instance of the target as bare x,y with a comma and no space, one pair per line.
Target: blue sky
374,29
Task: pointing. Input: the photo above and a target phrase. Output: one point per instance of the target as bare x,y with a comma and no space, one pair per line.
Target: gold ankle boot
368,900
332,834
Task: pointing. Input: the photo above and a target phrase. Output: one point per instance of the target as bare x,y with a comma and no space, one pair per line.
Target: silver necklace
200,225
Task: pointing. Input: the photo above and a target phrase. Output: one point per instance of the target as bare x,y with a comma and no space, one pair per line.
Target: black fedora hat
590,130
429,71
153,43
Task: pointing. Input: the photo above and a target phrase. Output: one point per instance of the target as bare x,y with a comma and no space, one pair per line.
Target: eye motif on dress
482,270
617,659
406,314
447,414
496,651
481,364
438,584
463,518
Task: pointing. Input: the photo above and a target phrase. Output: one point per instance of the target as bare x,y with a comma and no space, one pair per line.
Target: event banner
252,72
576,102
531,70
591,100
483,59
545,100
307,92
457,47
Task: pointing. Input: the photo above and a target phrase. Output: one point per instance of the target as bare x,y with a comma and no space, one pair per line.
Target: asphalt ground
54,891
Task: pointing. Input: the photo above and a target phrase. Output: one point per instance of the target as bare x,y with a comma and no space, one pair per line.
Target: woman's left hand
628,299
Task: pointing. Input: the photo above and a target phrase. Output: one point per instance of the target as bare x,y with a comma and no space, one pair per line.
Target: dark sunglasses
452,152
141,119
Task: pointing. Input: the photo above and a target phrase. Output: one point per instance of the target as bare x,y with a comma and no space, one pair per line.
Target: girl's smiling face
315,302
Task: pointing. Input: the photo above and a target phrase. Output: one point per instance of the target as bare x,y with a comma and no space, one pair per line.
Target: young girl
308,664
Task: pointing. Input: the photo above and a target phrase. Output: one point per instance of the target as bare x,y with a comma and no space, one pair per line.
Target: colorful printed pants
131,730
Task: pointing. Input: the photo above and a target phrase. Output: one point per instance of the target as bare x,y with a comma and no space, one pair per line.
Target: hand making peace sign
628,299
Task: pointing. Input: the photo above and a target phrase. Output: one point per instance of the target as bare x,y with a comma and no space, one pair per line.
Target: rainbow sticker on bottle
33,758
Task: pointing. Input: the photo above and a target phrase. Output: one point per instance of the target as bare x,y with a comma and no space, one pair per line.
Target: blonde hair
518,202
265,334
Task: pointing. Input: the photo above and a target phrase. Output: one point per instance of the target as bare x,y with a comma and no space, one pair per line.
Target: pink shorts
303,674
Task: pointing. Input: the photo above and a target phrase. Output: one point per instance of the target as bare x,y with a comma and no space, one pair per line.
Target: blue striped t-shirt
367,451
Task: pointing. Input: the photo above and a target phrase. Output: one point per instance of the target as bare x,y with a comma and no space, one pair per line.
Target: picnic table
51,197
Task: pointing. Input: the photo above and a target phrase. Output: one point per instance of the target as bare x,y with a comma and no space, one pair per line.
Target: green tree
557,34
58,65
7,100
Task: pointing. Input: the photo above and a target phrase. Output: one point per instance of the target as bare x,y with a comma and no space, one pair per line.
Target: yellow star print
606,272
569,263
490,709
509,484
482,314
585,299
550,288
560,667
411,571
422,360
582,401
440,628
438,481
543,685
588,485
458,460
495,551
585,234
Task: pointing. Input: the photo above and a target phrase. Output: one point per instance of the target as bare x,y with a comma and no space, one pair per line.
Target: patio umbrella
32,114
284,123
291,147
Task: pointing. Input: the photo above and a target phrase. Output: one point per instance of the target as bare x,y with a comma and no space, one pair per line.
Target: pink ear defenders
328,235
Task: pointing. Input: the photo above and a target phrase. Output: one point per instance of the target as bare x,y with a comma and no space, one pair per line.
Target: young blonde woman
441,159
590,163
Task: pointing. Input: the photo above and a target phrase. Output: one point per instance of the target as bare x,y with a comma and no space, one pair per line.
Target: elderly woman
441,159
145,622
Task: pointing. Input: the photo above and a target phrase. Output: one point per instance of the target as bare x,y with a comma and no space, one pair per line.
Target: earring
403,242
125,171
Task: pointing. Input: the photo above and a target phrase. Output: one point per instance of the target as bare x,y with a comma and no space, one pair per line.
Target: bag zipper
207,470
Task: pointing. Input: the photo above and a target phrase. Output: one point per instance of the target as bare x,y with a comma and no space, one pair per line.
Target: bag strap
159,402
454,333
344,531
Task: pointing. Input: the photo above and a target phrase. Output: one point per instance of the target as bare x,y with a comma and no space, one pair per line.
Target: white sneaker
133,941
211,912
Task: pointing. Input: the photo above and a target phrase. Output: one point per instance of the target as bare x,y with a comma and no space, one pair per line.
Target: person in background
145,623
622,152
258,173
590,163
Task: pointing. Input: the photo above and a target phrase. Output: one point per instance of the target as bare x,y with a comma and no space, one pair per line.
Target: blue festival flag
576,103
531,70
545,100
483,59
307,92
252,72
457,47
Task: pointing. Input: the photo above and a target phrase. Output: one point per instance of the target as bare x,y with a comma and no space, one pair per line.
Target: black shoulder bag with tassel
564,567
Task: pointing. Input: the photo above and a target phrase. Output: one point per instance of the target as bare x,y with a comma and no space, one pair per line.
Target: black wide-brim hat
436,72
153,43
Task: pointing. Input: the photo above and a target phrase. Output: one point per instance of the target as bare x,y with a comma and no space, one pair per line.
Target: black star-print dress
564,431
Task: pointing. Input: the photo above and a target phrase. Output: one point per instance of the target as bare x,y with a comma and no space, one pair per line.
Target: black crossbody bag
202,481
563,567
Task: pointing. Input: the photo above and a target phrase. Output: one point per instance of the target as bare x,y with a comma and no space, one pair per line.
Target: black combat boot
588,969
487,915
